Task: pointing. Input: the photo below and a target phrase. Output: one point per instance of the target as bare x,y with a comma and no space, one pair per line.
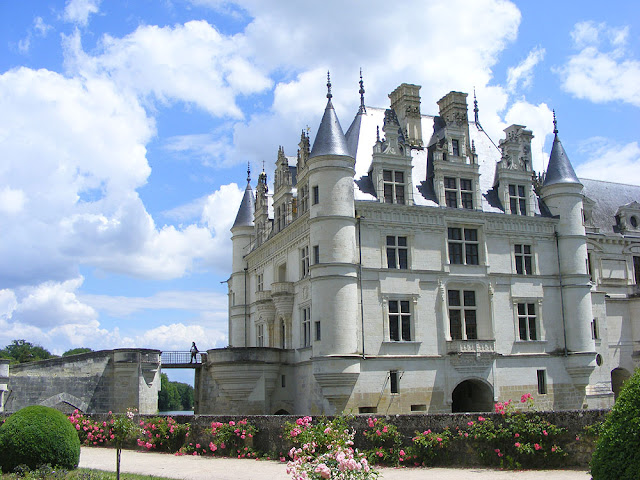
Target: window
636,269
304,262
283,381
260,335
394,381
304,199
524,259
589,268
393,185
306,326
527,321
316,254
279,225
594,329
458,193
542,382
463,246
259,282
316,195
462,315
283,216
455,145
397,252
399,320
318,331
517,200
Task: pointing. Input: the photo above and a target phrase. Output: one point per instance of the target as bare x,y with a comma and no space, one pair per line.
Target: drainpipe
245,305
564,325
358,218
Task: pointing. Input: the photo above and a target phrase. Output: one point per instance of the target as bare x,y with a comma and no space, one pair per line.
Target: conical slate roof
330,139
559,169
353,135
246,210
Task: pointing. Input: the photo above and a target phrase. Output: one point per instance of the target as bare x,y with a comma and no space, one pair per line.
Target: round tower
332,230
562,194
242,238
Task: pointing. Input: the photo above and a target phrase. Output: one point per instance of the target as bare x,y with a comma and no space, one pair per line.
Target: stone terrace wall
92,382
270,435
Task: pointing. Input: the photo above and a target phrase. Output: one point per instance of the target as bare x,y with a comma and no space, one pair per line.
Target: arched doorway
618,377
472,396
282,411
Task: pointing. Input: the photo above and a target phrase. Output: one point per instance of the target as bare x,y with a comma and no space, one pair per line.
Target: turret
261,215
562,194
332,232
242,235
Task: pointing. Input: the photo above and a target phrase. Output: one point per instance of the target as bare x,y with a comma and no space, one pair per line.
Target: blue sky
126,128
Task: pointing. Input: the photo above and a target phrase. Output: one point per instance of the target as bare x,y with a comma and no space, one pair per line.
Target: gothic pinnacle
361,91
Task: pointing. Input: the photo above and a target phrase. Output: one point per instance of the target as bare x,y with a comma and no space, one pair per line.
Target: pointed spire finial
262,166
248,172
361,91
475,107
329,86
377,133
555,123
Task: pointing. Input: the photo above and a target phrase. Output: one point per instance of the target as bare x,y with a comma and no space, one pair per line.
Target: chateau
412,265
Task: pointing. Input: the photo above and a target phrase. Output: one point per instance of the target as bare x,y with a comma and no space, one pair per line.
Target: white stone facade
398,273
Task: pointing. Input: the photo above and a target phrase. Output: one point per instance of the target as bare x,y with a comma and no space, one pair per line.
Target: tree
186,395
21,351
168,396
76,351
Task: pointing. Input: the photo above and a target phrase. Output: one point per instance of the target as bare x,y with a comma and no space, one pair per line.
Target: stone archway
472,396
618,377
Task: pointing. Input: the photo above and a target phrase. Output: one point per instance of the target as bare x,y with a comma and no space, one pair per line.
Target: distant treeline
174,395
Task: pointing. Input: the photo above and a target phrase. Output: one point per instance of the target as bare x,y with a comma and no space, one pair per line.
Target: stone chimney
453,109
405,101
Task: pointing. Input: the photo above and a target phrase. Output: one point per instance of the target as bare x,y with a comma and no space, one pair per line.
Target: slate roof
330,139
246,210
607,198
559,169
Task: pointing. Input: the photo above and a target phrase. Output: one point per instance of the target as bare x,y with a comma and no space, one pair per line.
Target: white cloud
52,303
11,200
196,301
78,11
523,72
178,336
191,63
622,161
601,74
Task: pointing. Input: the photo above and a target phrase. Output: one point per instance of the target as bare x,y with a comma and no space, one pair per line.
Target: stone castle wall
94,382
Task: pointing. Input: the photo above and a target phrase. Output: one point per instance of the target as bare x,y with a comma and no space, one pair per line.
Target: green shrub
37,436
617,453
384,441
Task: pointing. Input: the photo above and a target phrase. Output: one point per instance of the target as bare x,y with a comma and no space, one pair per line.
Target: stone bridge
94,382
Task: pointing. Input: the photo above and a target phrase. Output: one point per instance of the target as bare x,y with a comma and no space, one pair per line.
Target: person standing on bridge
194,351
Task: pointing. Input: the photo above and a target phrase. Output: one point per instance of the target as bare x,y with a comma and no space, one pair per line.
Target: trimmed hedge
617,453
36,436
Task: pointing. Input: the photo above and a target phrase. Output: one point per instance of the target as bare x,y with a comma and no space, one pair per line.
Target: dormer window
458,192
393,186
633,221
456,148
517,199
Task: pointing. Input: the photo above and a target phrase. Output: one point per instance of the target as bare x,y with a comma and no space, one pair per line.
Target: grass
47,473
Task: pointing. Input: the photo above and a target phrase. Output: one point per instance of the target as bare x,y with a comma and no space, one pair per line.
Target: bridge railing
180,358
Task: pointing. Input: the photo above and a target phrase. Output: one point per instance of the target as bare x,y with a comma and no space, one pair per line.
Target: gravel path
203,468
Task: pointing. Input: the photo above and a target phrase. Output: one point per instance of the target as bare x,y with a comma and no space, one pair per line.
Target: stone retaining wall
576,443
